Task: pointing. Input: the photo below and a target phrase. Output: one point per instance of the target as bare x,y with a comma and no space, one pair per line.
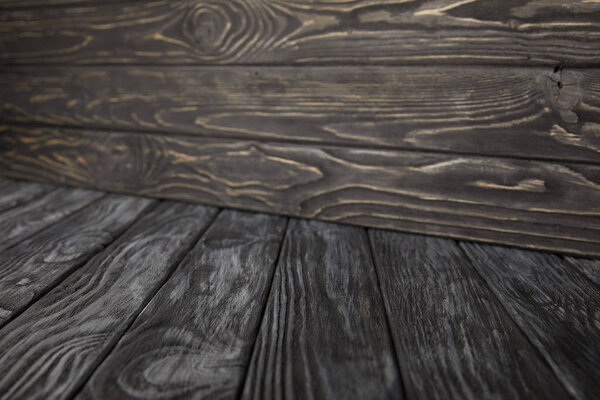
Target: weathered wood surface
15,193
589,267
33,267
324,332
453,339
51,348
21,222
545,32
548,205
516,112
195,338
555,306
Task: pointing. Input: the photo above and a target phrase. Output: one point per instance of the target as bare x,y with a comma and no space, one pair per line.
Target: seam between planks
264,310
509,314
58,220
386,309
278,141
142,306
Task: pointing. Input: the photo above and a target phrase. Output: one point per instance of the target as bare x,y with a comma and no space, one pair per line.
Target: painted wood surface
555,306
21,222
195,338
516,112
50,349
324,333
545,32
548,205
31,268
452,337
13,194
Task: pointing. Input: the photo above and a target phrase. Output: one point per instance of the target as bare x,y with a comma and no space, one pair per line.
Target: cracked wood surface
514,112
530,32
540,204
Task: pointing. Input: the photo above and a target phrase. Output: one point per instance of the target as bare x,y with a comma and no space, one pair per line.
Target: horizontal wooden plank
21,222
194,339
49,350
547,205
555,306
304,32
36,265
324,332
527,112
453,338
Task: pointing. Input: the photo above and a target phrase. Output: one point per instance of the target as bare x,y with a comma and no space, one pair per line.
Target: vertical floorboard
558,309
23,221
324,333
32,267
15,193
50,349
194,338
453,339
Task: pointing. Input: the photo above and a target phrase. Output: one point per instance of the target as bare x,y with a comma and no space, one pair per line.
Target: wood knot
564,91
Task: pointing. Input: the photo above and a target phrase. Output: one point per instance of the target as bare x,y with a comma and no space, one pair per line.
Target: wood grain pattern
516,112
557,308
23,221
34,266
194,338
453,339
15,193
589,267
545,32
324,333
50,349
548,205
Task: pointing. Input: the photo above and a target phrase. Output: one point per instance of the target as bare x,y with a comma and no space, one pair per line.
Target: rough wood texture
304,32
453,339
50,349
556,307
13,194
588,267
516,112
34,266
195,337
21,222
549,205
324,333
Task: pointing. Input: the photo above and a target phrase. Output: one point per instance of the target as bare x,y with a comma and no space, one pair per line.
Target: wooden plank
195,338
23,221
548,205
50,349
36,265
556,307
452,337
15,193
304,32
324,333
515,112
589,267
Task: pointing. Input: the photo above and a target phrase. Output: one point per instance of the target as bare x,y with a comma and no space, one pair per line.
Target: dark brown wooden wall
471,119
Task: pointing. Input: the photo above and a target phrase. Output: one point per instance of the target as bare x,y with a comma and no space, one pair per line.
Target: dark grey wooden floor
110,296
